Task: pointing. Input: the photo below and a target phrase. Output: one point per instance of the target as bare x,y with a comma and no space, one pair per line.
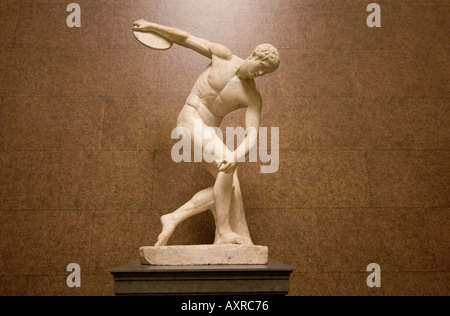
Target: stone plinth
135,279
204,255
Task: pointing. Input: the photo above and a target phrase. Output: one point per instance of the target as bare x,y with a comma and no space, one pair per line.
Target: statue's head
264,60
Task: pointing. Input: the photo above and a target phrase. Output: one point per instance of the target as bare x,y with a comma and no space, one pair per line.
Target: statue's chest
222,75
228,87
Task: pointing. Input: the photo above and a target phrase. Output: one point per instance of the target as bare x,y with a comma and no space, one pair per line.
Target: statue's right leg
224,195
237,215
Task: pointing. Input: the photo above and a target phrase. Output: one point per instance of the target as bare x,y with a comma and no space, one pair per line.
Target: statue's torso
220,91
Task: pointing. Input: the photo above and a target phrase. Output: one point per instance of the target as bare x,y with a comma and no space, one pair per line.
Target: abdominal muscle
195,109
187,119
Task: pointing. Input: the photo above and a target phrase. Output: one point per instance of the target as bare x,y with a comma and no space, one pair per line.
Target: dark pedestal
137,279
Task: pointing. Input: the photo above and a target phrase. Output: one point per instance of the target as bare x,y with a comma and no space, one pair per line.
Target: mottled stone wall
86,116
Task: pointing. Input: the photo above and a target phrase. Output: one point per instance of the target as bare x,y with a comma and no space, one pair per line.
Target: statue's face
254,68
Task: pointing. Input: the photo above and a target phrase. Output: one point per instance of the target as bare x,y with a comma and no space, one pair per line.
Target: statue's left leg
201,202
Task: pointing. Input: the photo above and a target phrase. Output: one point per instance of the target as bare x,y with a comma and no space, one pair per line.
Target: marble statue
226,85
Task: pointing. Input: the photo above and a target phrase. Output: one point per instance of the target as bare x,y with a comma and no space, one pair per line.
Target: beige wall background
86,116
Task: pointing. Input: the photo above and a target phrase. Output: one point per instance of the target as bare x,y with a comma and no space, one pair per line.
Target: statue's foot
233,239
169,226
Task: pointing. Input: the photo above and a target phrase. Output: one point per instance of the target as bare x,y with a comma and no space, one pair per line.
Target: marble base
204,255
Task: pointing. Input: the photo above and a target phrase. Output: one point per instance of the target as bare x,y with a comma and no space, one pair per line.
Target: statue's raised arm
185,39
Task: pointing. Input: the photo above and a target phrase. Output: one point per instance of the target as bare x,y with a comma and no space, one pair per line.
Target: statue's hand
228,167
141,25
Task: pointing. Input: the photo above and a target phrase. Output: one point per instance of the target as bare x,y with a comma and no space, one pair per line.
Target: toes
241,241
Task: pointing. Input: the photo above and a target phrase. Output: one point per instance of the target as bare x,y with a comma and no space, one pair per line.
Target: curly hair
267,52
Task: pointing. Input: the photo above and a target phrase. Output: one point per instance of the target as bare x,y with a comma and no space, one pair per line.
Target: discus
153,40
